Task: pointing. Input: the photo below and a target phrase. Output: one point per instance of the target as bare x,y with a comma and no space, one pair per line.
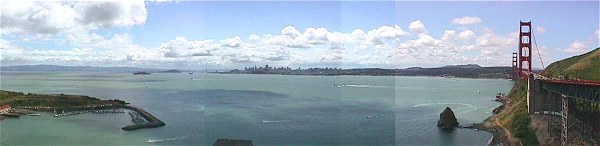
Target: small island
141,73
170,71
27,104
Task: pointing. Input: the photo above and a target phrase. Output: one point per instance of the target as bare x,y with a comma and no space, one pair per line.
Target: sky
202,35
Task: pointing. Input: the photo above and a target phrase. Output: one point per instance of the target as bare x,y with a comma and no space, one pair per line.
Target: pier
152,122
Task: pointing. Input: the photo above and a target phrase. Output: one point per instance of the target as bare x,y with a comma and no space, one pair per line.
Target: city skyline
205,34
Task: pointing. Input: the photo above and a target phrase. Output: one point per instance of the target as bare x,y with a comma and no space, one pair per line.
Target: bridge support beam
530,100
565,121
535,100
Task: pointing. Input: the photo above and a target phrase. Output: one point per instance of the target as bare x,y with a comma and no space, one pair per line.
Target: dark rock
447,119
498,109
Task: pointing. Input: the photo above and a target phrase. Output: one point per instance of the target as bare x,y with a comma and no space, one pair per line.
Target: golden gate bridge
572,105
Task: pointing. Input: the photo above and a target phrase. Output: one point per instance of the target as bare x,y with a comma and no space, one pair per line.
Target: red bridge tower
524,49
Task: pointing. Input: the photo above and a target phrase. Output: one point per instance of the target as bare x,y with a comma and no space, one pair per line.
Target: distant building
4,109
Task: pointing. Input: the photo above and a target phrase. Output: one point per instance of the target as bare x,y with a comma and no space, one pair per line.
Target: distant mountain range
59,68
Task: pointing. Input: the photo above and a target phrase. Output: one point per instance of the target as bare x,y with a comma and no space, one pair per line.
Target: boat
191,73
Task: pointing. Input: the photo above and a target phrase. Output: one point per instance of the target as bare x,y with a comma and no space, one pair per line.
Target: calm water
268,109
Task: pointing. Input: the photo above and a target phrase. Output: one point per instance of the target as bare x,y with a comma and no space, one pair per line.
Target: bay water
200,108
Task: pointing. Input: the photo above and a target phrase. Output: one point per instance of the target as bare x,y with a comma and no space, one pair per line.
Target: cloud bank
74,24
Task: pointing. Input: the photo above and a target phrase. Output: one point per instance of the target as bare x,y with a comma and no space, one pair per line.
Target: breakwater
153,122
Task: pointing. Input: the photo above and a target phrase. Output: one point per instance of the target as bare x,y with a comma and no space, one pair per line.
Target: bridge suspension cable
539,55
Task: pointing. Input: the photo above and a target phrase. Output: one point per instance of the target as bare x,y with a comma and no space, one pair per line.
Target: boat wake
275,121
363,86
455,103
469,107
167,139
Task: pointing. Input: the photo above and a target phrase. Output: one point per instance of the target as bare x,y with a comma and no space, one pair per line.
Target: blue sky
348,34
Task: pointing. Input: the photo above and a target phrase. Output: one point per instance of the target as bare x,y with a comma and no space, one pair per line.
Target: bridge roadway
575,102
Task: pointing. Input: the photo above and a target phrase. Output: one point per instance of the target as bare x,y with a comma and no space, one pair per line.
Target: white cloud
181,47
379,35
466,35
490,39
466,20
111,13
449,35
29,17
598,33
36,17
358,34
577,47
417,27
316,36
540,29
233,42
383,46
390,32
253,37
290,31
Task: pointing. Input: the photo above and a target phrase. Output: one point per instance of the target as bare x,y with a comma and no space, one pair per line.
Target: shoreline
498,135
449,76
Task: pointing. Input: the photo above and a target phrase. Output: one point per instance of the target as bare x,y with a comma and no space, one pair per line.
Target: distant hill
170,71
462,66
59,68
462,71
585,66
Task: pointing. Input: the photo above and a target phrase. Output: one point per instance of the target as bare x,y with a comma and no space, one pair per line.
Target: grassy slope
52,100
515,116
585,66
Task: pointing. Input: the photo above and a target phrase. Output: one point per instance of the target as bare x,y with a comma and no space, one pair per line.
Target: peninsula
22,104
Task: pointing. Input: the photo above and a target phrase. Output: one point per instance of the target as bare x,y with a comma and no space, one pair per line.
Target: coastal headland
29,103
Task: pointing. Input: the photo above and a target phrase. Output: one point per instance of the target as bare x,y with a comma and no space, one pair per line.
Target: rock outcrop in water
447,119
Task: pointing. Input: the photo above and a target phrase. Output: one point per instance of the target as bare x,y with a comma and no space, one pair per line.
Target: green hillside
515,116
585,66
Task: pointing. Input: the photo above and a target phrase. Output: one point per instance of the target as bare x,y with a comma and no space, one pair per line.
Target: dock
153,122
